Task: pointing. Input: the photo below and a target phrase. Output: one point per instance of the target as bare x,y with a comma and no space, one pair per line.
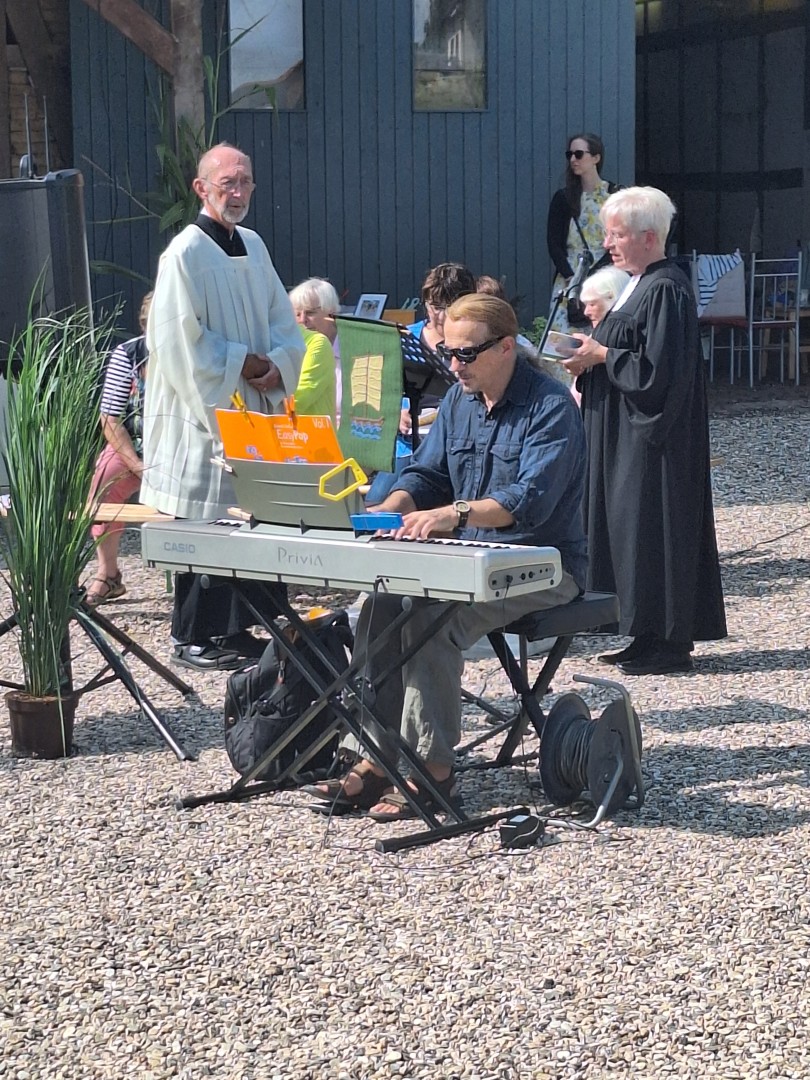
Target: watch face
462,506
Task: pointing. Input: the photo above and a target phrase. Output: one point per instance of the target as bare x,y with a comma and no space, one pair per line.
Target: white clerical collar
628,290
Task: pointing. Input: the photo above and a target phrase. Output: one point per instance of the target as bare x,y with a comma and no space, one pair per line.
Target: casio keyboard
438,569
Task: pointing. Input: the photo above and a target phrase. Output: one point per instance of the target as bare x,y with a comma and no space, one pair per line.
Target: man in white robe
220,323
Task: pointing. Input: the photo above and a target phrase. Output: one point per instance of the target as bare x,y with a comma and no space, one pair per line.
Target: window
267,53
449,55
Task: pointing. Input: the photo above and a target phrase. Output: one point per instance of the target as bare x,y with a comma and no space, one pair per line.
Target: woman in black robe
648,500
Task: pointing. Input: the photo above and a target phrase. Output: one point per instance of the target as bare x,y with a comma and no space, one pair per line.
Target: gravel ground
253,941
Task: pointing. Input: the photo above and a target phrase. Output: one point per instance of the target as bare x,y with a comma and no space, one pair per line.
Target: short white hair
315,294
606,284
640,209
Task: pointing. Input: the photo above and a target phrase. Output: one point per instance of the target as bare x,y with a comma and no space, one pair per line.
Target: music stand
422,373
585,264
95,626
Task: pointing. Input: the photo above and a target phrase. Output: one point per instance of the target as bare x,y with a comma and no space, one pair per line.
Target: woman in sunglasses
574,226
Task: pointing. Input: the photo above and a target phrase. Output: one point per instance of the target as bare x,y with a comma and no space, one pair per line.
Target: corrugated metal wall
358,187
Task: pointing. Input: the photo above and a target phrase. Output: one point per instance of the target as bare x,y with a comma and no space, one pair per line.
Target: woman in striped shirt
120,463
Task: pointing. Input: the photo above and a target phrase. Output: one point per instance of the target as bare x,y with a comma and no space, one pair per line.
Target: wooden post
144,31
187,86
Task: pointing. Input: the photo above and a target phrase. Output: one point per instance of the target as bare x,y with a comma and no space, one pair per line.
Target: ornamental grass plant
52,439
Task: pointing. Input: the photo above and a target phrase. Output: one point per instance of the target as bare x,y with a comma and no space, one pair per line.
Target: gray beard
234,217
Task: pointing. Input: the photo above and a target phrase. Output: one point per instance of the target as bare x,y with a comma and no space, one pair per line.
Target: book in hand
560,346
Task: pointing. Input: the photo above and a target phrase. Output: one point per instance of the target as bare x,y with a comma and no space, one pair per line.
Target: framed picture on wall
371,305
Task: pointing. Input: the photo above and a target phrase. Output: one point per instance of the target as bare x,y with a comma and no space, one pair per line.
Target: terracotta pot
39,729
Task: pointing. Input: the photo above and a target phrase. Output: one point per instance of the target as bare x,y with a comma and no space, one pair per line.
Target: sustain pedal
521,830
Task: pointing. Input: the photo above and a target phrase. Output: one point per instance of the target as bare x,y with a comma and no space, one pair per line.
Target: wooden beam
51,79
187,88
5,119
139,27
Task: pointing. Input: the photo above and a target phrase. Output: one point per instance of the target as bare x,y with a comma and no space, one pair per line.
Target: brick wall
56,15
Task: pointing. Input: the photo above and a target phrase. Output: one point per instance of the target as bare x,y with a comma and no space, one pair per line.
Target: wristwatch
462,508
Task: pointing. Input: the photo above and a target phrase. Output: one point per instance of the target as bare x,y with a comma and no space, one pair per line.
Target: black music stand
95,626
585,264
422,373
350,695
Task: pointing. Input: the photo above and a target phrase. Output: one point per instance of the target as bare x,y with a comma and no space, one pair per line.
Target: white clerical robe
208,312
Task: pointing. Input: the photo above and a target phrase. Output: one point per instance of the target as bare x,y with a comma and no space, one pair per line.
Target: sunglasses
467,353
578,154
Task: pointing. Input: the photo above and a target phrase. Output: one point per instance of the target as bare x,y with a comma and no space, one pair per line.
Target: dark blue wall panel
358,187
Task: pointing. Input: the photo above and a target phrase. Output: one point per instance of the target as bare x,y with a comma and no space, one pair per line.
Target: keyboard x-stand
351,697
446,571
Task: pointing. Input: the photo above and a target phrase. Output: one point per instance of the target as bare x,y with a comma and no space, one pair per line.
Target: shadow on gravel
704,789
195,726
754,578
748,660
732,714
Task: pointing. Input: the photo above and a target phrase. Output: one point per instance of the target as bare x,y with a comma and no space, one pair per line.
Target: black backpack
263,701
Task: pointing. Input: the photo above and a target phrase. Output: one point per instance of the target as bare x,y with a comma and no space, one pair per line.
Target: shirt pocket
505,463
460,463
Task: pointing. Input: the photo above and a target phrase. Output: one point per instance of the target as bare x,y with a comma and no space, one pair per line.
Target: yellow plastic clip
238,402
289,408
359,479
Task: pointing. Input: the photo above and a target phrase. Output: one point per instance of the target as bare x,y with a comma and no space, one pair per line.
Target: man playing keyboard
504,461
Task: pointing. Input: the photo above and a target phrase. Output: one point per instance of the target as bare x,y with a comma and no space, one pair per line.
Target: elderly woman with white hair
315,303
648,500
600,292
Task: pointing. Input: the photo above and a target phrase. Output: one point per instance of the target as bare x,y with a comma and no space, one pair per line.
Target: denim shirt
528,454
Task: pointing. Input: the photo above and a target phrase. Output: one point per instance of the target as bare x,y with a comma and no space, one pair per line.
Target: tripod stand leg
145,657
123,673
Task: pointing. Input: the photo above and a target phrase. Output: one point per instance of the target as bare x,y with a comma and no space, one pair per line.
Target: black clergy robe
648,500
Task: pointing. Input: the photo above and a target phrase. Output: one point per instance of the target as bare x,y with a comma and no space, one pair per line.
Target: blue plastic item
373,522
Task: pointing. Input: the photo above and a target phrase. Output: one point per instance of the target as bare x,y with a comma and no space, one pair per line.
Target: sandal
110,589
333,791
401,809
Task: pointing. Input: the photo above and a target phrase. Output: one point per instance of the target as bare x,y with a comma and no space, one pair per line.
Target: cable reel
602,755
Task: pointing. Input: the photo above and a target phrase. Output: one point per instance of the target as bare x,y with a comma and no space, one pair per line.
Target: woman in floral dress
573,217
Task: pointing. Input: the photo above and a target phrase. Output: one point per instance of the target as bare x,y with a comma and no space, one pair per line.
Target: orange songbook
285,437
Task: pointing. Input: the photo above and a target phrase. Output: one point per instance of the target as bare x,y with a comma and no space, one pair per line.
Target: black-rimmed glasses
466,354
578,154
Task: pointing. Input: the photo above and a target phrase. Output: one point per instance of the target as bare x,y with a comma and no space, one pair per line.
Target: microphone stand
584,265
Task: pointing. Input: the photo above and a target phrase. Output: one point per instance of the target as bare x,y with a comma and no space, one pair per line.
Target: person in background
316,305
443,285
574,225
221,329
601,291
598,294
491,286
648,499
120,463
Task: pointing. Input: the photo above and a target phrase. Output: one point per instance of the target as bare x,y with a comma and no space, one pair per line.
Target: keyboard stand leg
363,724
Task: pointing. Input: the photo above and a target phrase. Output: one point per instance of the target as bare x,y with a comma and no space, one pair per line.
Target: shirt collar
231,243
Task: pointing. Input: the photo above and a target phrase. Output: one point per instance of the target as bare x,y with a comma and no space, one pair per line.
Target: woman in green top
316,304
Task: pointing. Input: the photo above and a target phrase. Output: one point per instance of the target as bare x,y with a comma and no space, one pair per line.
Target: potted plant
52,439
